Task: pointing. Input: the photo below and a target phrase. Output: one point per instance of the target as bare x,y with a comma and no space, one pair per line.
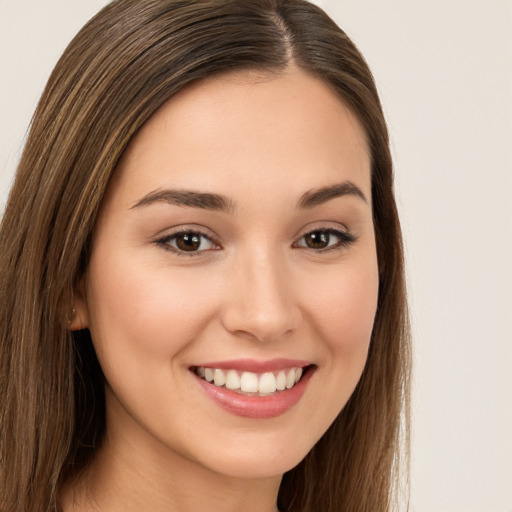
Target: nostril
266,328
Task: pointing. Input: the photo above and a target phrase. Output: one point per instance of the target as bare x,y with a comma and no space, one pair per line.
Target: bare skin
276,269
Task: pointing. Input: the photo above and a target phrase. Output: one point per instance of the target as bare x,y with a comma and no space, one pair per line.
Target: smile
255,390
251,383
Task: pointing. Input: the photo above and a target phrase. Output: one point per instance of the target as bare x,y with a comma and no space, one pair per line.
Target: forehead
260,128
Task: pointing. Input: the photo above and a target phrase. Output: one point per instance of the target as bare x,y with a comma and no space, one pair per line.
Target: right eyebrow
191,198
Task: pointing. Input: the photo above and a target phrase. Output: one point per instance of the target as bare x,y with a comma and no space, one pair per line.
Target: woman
201,271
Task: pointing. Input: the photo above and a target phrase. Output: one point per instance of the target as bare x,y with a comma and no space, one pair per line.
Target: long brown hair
121,67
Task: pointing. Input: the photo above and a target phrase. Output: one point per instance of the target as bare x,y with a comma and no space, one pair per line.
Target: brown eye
317,239
187,242
323,239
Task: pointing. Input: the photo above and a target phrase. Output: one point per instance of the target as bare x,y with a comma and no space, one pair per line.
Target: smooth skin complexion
237,230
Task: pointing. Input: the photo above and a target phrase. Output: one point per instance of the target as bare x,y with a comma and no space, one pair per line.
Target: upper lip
255,366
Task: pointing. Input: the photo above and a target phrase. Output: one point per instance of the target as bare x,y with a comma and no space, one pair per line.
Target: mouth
267,391
252,383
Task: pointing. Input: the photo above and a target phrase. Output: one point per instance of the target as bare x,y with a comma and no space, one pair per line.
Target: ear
80,314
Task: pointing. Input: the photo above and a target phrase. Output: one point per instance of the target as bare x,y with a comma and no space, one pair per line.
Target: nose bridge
263,303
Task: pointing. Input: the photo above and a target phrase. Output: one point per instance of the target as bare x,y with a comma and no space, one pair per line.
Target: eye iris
188,242
317,239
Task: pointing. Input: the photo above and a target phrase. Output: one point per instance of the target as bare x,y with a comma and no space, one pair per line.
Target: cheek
344,312
140,312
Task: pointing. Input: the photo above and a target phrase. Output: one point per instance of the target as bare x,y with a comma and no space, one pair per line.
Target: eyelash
165,242
345,239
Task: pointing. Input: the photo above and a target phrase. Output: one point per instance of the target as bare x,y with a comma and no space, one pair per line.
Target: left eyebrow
316,197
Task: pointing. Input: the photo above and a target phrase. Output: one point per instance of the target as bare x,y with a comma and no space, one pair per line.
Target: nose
262,303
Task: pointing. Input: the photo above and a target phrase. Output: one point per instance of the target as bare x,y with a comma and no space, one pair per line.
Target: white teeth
281,381
267,383
249,382
290,379
219,379
232,380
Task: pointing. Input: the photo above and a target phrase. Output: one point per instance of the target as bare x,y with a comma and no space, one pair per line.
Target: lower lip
256,407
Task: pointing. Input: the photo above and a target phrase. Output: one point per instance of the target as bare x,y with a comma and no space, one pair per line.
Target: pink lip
256,407
252,365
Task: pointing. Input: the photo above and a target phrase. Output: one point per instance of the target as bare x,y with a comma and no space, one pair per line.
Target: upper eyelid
170,232
323,226
328,230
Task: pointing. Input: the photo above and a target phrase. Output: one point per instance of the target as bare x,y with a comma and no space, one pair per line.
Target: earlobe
79,317
77,323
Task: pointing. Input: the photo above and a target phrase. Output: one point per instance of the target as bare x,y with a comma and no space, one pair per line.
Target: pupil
317,240
188,242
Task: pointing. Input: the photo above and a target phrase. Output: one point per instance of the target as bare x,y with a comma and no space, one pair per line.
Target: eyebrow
203,200
217,202
319,196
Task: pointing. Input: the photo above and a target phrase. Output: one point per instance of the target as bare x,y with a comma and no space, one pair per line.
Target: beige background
444,70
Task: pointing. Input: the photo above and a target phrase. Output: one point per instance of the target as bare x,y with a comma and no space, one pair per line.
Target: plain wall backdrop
444,71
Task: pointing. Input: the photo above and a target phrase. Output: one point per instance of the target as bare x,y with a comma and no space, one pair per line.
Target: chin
256,457
257,467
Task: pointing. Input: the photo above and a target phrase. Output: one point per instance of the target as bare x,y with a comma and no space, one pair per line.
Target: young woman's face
235,242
